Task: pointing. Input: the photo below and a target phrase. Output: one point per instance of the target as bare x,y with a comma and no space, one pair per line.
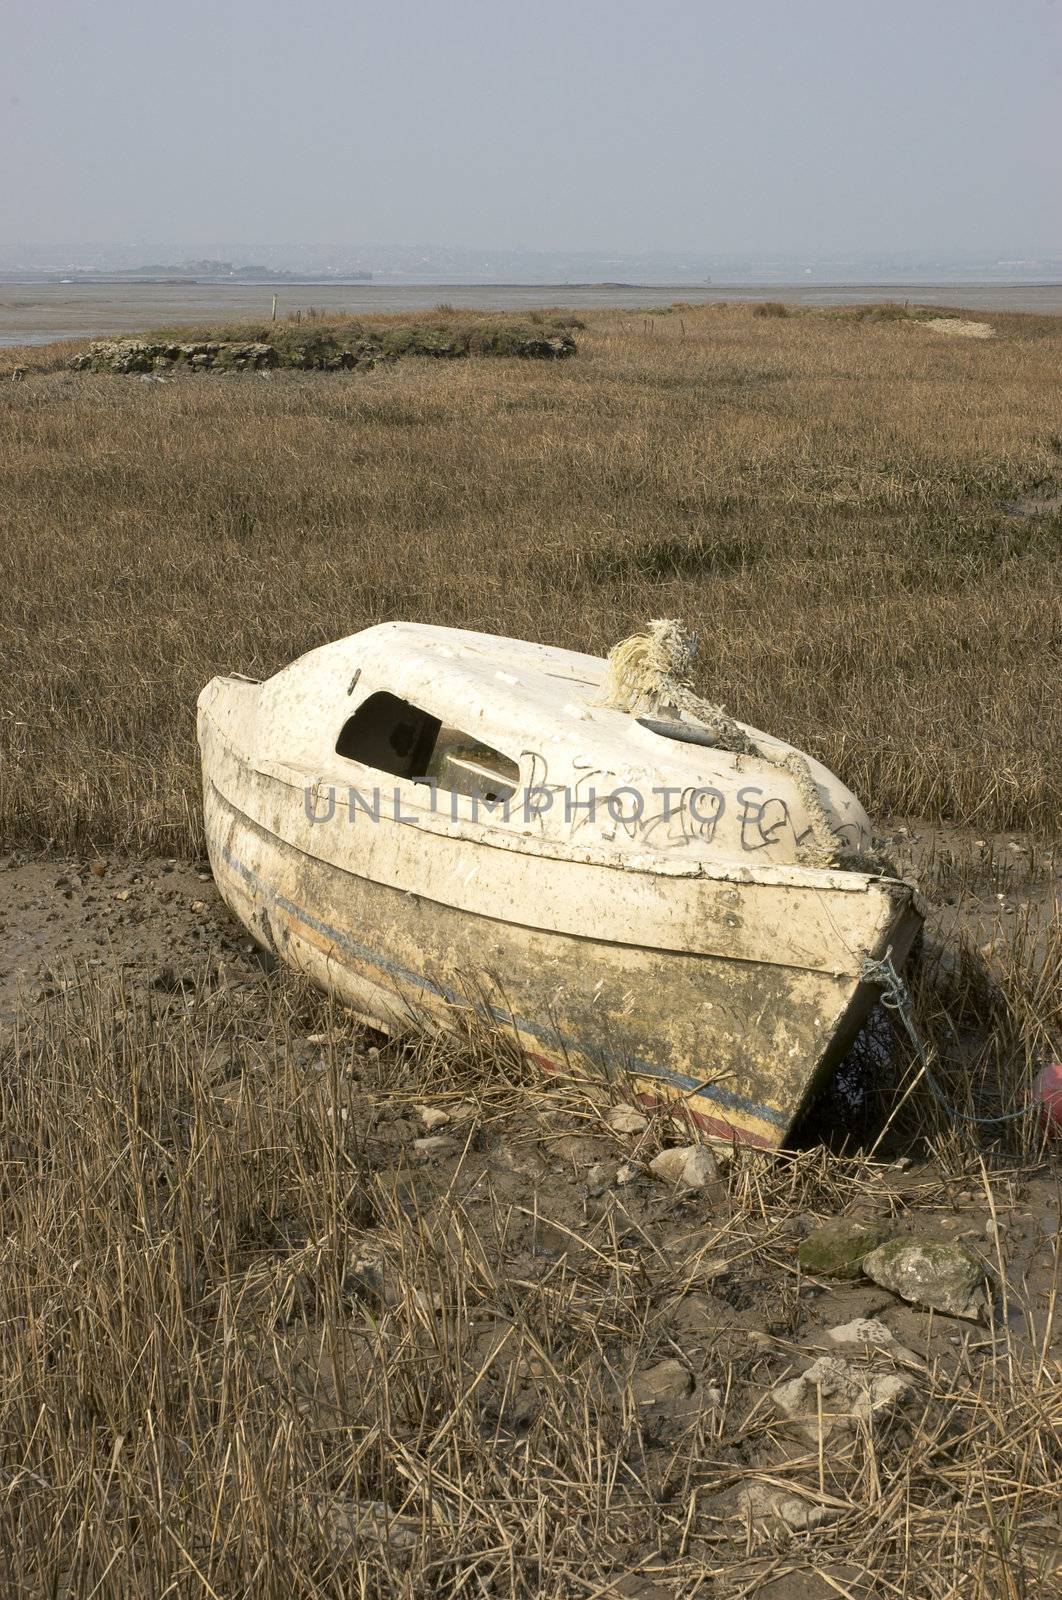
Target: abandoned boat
425,820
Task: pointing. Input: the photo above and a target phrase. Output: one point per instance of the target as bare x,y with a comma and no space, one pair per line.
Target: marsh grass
821,498
235,1313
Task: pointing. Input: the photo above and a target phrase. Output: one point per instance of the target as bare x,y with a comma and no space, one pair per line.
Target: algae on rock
836,1249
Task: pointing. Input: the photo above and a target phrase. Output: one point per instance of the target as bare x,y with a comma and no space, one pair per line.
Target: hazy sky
812,126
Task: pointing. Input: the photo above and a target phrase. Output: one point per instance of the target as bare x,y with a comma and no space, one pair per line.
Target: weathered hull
741,1019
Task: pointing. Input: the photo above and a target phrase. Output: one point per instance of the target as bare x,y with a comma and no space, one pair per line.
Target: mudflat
34,313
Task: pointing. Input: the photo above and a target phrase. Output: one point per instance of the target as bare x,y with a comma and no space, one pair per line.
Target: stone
941,1277
687,1166
850,1394
667,1380
346,1524
626,1119
519,1159
862,1330
766,1505
432,1117
367,1280
629,1172
435,1147
598,1179
837,1249
869,1331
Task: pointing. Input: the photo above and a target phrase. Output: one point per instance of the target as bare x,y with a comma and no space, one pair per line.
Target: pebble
626,1119
766,1504
690,1166
435,1146
836,1249
598,1179
432,1117
346,1524
667,1380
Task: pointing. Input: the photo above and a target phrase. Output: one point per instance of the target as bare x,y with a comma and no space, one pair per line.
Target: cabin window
391,735
465,765
399,738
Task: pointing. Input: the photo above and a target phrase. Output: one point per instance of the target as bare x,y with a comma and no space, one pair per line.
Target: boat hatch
405,741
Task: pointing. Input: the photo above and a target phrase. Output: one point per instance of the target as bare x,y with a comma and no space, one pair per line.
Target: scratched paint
673,939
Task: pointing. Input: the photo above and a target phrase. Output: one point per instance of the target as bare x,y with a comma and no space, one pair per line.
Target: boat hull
742,1041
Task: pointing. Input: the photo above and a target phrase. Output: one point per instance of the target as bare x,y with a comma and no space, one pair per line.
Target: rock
766,1505
668,1380
941,1277
525,1162
869,1331
626,1119
862,1330
435,1147
555,347
628,1173
598,1179
432,1117
837,1249
346,1524
689,1166
850,1393
116,355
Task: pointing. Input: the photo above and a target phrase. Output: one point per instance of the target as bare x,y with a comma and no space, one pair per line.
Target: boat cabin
506,734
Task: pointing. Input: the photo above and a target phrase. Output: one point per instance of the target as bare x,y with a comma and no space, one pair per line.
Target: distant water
36,313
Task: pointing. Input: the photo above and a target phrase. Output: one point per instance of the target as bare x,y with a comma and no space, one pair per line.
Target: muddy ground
730,1316
148,917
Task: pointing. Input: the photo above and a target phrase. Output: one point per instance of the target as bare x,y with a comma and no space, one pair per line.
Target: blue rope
895,997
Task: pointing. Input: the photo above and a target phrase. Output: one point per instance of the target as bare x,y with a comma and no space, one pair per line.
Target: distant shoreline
701,287
41,311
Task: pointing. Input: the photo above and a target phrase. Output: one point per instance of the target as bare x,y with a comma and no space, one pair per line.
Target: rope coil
652,672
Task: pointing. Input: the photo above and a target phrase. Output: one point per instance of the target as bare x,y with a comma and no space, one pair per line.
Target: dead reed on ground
824,497
254,1348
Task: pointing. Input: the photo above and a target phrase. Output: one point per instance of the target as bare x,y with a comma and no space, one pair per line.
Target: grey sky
778,125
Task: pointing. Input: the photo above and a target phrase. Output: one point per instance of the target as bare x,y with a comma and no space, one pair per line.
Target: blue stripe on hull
725,1098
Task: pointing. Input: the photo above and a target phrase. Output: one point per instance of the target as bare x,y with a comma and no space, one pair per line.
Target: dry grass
819,495
235,1311
234,1308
